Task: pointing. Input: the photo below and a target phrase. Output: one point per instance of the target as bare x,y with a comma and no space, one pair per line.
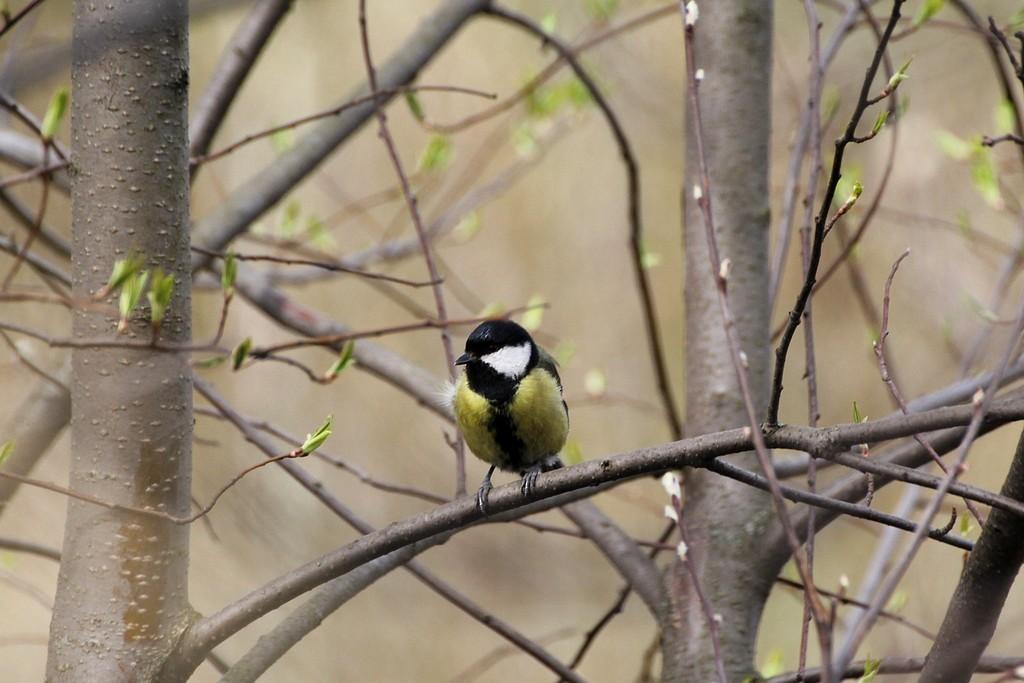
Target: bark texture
986,580
725,520
122,593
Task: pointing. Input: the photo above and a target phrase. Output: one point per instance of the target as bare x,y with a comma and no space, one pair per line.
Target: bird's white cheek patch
510,361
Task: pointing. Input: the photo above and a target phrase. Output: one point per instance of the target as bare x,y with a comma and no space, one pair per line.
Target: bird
508,404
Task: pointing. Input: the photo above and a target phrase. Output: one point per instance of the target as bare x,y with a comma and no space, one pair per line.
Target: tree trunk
122,594
725,519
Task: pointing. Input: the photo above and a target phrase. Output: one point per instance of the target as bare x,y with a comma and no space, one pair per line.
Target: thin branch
323,265
380,95
421,233
835,505
896,665
10,20
720,273
506,502
632,169
591,635
267,187
981,405
236,62
795,315
192,648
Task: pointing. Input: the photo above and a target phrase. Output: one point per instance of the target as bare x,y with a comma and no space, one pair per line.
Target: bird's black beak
463,359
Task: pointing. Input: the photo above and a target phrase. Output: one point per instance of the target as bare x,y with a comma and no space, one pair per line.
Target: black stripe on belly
503,428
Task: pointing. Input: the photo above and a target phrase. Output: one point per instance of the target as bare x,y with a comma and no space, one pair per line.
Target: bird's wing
547,362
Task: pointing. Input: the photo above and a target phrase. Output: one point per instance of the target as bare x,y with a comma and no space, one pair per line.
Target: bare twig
421,232
981,405
334,111
822,219
720,270
655,350
323,265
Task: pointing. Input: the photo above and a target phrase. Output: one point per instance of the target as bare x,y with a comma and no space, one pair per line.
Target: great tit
509,405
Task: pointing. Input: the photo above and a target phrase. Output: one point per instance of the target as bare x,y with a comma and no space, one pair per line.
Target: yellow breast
537,414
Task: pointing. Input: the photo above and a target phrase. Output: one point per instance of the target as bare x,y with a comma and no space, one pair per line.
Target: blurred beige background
559,233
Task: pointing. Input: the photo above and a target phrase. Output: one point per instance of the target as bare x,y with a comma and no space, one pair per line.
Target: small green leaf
468,227
564,352
436,155
316,439
534,314
345,359
966,527
290,217
572,454
602,10
899,76
928,9
898,600
131,295
847,183
1017,19
857,417
492,310
983,173
954,147
124,269
415,106
595,382
241,353
550,22
772,665
54,114
5,451
211,362
1004,117
159,295
229,274
282,140
871,667
318,233
524,140
880,120
649,259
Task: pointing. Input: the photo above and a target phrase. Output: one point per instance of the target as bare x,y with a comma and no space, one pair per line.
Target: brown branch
333,266
380,96
421,233
10,20
895,665
720,273
647,308
823,216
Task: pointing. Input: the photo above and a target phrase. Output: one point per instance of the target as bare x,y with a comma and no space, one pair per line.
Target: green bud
437,154
900,75
5,451
54,114
316,439
415,106
241,353
131,295
124,269
159,295
345,358
883,116
211,362
228,274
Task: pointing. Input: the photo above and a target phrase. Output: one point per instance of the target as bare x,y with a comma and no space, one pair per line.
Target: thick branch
986,580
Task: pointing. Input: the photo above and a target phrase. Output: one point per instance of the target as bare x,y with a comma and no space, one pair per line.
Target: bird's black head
498,354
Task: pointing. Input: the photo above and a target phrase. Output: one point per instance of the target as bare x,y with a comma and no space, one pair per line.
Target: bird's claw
530,481
481,496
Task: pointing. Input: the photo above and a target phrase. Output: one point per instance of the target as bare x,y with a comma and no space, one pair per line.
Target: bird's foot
483,492
530,480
